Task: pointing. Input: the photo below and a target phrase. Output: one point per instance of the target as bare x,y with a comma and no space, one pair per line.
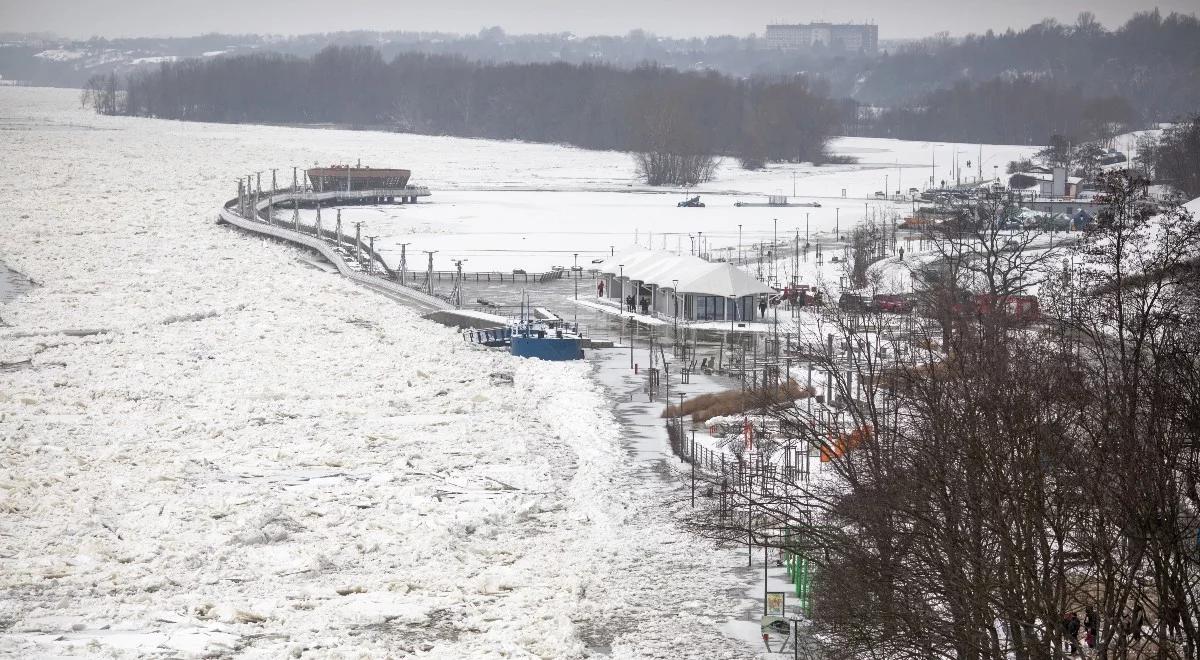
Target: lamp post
403,271
458,282
429,271
358,242
371,258
675,297
622,278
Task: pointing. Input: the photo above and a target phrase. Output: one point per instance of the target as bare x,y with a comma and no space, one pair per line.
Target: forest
1017,110
1082,81
648,109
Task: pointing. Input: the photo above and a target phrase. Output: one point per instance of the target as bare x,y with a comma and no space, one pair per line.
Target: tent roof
628,258
724,279
695,275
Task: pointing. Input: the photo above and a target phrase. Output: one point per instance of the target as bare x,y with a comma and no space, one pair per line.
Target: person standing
1091,625
1070,632
1139,617
600,289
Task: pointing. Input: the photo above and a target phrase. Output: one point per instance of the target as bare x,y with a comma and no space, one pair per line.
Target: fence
742,478
317,242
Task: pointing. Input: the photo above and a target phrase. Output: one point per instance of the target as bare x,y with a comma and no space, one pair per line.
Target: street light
621,276
675,296
370,261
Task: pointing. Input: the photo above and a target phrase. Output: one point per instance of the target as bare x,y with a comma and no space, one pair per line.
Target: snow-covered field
216,449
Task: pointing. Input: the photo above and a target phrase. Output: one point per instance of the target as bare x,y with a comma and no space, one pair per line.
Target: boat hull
552,349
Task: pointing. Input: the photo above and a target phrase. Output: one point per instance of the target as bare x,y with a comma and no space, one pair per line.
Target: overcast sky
896,19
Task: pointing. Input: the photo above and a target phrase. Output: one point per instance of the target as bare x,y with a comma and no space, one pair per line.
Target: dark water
12,284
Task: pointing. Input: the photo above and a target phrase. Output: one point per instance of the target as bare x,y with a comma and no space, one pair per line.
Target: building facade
841,37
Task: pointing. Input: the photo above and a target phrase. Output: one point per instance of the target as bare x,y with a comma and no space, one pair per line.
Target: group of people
632,304
1130,626
1071,626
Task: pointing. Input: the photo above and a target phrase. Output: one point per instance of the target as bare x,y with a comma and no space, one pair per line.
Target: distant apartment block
839,37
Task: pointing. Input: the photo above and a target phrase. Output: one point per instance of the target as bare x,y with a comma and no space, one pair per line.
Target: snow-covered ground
217,449
513,214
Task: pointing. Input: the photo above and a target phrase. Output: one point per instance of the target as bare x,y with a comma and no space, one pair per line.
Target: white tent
695,275
725,280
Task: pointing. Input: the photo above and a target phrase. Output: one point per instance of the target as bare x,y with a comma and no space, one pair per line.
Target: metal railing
416,298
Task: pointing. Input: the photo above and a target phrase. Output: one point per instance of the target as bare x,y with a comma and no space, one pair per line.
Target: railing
416,298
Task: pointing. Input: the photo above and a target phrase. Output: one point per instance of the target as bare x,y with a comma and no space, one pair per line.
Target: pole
739,245
575,272
675,297
271,200
621,276
458,282
371,258
429,271
692,455
339,227
403,261
764,580
358,242
837,220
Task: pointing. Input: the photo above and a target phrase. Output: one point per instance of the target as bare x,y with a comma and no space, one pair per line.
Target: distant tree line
1152,61
648,109
1009,110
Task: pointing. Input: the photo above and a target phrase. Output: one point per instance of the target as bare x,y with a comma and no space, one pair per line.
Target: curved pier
329,244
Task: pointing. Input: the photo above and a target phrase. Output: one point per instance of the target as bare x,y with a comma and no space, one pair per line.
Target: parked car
893,303
691,202
853,302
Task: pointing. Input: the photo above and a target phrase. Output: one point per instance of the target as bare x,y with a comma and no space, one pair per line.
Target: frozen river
213,449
